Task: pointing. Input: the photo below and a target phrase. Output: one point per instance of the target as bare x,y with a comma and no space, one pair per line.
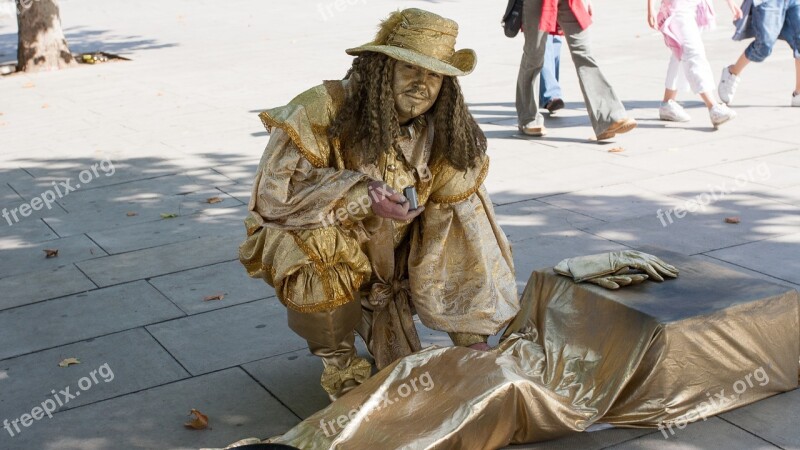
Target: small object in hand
411,194
732,220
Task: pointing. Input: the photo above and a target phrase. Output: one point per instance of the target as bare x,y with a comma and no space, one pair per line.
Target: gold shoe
618,127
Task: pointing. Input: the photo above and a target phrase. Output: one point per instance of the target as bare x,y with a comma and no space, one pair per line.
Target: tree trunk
42,45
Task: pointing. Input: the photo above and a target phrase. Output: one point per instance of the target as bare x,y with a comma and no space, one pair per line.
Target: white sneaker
720,113
727,85
535,127
796,99
672,111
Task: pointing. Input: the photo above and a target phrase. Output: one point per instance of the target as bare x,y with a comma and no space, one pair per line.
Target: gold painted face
415,90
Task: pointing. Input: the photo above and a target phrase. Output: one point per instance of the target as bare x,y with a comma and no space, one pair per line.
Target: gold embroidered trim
465,195
321,269
270,123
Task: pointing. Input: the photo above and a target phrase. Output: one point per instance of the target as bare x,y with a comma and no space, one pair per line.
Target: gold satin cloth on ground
310,235
635,357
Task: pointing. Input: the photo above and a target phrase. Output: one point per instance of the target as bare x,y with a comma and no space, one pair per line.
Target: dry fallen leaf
168,215
28,85
732,220
68,362
50,252
213,200
214,297
131,214
200,421
616,150
45,106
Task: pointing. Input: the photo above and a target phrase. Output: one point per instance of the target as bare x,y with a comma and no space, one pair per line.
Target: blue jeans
771,20
548,79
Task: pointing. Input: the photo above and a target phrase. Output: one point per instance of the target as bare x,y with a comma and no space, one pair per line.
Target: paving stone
713,433
692,183
31,256
777,256
24,233
548,249
594,440
701,232
124,362
774,419
165,259
188,289
761,171
236,405
718,151
108,213
612,203
527,219
294,379
750,272
82,316
41,285
567,179
228,337
212,222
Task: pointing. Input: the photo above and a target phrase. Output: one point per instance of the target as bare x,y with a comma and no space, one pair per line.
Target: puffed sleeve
461,271
301,229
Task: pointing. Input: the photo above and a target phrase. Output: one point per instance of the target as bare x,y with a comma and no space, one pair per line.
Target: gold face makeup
415,90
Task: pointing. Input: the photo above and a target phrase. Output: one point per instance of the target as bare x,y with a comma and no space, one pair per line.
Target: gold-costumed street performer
331,231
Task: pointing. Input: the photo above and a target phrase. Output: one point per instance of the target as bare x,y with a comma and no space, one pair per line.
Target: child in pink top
681,21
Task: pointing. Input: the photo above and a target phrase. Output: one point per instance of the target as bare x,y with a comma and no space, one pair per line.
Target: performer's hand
389,204
651,19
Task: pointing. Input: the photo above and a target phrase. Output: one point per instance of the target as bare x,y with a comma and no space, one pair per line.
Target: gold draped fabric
577,354
312,236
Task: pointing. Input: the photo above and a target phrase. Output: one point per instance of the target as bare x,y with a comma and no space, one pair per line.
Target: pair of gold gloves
615,269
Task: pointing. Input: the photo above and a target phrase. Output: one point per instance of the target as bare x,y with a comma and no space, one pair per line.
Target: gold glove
615,281
586,268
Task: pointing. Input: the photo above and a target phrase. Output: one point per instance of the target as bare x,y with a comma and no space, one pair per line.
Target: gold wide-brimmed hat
421,38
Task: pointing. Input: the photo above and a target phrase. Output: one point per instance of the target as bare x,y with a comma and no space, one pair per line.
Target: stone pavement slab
530,218
700,232
31,257
188,289
289,377
773,419
714,433
228,337
777,256
25,232
135,361
106,211
236,405
212,222
613,203
165,259
51,283
81,316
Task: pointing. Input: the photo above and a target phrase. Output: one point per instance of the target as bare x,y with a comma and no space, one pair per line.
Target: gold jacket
312,236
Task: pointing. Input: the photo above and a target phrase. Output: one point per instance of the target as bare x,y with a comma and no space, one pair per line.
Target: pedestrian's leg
791,31
671,83
602,103
532,62
330,336
549,88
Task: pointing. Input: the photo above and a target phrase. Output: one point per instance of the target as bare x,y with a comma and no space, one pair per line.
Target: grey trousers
602,103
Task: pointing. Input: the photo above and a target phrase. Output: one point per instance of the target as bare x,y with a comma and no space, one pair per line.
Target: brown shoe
618,127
